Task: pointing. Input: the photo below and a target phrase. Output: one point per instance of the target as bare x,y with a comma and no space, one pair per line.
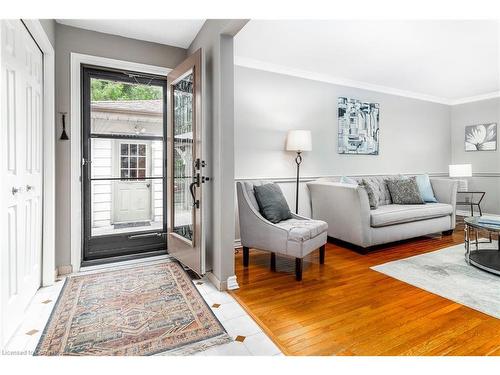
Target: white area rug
446,273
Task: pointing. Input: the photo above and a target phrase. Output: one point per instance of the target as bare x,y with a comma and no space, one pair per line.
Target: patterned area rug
446,273
136,311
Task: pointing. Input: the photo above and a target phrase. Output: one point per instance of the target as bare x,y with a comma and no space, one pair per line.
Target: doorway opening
124,165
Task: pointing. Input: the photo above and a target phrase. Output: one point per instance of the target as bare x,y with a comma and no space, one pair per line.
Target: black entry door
124,165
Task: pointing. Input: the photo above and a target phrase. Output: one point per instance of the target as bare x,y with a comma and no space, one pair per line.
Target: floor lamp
298,141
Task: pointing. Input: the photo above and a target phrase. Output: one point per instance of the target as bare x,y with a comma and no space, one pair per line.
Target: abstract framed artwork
482,137
358,127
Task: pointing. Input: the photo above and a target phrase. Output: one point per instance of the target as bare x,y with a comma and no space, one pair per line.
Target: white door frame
48,215
77,59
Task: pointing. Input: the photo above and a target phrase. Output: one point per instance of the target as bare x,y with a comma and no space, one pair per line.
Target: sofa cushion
425,187
404,191
379,187
303,230
404,213
348,180
370,190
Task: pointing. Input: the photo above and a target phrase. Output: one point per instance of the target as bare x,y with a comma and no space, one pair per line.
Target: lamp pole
298,160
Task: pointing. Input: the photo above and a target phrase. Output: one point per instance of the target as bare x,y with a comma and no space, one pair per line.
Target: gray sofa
295,237
346,209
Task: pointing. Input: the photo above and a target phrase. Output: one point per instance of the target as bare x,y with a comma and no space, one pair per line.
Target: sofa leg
298,269
246,256
448,232
273,262
322,255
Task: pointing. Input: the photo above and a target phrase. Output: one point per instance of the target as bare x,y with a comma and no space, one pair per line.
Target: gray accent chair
296,237
346,209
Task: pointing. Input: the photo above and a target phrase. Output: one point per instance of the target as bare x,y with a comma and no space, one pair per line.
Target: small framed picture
481,137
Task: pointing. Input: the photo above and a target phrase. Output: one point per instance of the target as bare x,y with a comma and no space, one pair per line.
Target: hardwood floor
345,308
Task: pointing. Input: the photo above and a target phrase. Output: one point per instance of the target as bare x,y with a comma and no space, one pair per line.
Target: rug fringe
199,346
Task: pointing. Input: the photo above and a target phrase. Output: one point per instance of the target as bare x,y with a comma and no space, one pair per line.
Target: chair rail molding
76,61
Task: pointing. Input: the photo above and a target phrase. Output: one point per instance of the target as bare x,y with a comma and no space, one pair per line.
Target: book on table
491,220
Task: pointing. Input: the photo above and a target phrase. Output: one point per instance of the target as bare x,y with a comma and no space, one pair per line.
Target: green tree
110,90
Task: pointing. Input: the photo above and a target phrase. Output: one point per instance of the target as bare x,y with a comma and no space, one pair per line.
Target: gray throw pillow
404,191
272,203
372,197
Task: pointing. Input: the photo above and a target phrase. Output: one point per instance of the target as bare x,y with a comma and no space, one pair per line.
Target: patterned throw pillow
372,198
404,191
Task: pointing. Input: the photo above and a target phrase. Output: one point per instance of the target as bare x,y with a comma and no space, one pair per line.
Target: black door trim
117,247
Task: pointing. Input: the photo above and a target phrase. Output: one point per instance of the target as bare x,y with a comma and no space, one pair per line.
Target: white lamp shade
299,140
460,170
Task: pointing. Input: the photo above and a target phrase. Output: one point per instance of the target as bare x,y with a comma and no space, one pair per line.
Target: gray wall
485,164
415,135
70,39
49,26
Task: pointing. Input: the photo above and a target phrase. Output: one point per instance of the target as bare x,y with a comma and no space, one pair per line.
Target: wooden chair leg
273,262
298,269
246,256
322,255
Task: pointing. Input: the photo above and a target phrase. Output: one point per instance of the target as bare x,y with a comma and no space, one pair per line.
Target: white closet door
21,95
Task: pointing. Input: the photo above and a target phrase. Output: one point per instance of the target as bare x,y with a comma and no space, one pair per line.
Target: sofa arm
445,191
345,208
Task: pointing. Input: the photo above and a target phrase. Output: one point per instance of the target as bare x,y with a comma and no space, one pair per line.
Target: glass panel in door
183,172
124,168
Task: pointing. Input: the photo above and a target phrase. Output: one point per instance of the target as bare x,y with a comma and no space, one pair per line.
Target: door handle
196,182
29,187
16,190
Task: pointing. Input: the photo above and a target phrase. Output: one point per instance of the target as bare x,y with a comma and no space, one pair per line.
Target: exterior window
133,160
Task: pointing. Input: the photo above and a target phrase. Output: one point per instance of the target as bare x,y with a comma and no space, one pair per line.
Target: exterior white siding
102,166
157,170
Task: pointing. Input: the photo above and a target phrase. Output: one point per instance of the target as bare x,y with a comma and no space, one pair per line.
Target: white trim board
49,202
281,69
77,59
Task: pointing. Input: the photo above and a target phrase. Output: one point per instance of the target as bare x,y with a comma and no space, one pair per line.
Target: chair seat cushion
303,230
404,213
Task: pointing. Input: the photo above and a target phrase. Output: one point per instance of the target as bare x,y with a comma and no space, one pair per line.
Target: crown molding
281,69
477,98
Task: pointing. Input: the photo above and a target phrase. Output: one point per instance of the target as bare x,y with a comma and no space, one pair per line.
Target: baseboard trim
220,285
232,283
64,270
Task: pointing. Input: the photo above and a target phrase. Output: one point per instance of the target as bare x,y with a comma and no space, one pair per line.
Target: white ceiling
178,33
443,61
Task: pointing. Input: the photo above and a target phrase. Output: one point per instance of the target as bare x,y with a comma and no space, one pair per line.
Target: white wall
415,135
485,164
